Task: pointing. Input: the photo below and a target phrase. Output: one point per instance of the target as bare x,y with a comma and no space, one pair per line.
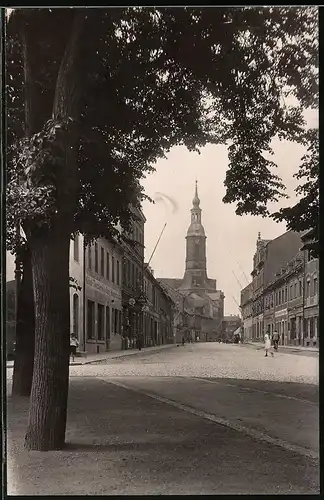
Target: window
300,288
124,272
89,257
76,314
113,269
315,286
133,275
107,323
96,257
291,292
108,267
113,319
116,321
311,327
295,290
76,248
90,319
129,277
308,288
118,272
286,294
102,261
100,322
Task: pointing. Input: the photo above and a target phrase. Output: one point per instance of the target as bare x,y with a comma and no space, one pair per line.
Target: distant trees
90,111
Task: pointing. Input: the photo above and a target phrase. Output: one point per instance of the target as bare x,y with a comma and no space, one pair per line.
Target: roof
280,251
214,295
233,317
171,282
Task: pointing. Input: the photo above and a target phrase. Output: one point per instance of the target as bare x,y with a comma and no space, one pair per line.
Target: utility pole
156,245
237,280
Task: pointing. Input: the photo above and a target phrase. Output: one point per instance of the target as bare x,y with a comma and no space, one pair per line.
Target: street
198,419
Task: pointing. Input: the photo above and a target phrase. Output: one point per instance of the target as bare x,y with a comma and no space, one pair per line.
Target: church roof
197,298
214,295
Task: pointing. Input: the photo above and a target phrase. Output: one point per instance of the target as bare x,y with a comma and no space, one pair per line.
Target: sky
231,239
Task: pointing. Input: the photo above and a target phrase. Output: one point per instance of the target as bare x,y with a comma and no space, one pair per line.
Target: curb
284,347
133,353
126,355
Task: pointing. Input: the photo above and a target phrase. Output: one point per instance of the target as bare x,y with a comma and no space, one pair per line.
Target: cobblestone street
198,419
210,360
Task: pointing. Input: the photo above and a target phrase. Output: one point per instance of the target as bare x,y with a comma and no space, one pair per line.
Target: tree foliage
304,215
153,78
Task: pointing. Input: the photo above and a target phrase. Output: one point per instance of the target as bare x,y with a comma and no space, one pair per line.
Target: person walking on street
139,342
182,341
74,343
275,340
267,345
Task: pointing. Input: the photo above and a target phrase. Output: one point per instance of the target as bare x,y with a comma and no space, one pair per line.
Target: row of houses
283,293
120,300
114,296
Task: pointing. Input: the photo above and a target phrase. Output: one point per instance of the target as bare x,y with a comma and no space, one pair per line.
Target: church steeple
195,276
196,200
196,215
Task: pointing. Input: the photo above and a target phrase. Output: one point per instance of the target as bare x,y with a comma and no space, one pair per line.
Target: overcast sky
231,240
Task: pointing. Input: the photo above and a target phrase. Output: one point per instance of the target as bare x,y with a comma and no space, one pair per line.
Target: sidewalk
106,356
121,442
260,345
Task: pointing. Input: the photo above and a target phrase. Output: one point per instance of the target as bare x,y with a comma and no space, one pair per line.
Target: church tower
195,276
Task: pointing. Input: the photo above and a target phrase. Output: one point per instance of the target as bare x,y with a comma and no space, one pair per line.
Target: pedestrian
267,345
182,341
139,342
275,340
74,343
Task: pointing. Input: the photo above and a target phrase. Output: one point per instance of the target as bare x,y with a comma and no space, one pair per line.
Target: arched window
76,315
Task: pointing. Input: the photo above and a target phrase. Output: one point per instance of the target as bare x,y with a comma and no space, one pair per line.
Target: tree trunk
50,247
49,394
25,333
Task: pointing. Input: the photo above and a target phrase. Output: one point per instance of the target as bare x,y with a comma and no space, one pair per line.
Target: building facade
284,291
246,311
113,299
270,257
311,312
181,322
230,325
202,298
133,299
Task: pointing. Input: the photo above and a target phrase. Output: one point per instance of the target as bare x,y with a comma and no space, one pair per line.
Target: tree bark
25,332
49,248
49,394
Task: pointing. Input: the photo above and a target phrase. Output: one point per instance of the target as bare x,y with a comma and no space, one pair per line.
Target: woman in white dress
267,344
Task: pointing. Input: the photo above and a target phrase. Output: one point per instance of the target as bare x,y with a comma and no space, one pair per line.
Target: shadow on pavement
119,442
308,392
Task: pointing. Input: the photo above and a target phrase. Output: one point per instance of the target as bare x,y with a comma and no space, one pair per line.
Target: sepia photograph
161,240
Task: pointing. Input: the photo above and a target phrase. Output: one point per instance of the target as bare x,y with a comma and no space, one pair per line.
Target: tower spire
196,200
